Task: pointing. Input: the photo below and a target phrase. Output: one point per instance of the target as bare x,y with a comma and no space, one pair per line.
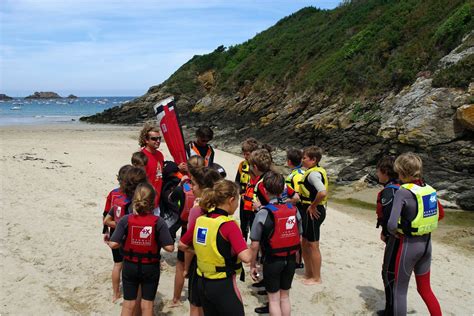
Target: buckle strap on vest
284,249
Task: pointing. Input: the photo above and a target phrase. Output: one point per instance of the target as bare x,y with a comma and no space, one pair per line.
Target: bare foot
116,297
311,281
173,304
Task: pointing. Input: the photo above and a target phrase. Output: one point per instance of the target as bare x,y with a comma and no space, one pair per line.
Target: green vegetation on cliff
364,47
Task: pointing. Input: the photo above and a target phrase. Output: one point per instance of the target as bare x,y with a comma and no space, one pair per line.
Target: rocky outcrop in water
44,95
71,96
4,97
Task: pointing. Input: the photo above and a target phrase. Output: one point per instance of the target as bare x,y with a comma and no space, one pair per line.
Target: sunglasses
155,139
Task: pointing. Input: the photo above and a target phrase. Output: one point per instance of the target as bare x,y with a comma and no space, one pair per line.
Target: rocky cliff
425,108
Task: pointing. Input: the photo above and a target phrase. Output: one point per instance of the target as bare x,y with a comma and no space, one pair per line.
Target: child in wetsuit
116,199
220,248
415,214
276,229
389,179
200,146
141,236
243,178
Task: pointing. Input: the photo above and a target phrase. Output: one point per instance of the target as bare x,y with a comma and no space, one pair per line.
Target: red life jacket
119,204
140,245
284,239
188,202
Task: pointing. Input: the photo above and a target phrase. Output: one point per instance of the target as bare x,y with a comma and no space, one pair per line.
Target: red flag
165,111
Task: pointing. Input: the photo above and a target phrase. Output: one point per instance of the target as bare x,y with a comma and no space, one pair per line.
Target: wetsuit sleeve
399,201
187,238
291,193
440,211
108,205
111,213
257,226
231,232
120,230
163,233
386,200
315,180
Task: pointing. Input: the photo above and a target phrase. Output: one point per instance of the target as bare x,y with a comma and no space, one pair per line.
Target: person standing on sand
415,214
150,140
313,191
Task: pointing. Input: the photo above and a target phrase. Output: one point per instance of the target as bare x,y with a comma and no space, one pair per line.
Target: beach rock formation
71,96
4,97
340,97
44,95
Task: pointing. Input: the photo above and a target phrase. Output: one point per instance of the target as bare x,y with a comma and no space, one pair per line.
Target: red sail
165,111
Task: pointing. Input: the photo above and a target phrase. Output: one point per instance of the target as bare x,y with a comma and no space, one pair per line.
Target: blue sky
120,47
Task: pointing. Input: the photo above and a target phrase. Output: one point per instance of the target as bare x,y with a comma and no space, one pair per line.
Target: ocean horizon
21,111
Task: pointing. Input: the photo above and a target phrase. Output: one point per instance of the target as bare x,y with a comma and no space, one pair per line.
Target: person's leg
274,300
423,284
127,307
308,268
285,305
116,271
178,284
195,310
137,311
147,307
388,272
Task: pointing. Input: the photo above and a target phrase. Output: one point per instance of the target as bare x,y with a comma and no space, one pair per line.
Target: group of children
281,215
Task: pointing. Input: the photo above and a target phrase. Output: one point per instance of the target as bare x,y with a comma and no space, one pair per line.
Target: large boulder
465,116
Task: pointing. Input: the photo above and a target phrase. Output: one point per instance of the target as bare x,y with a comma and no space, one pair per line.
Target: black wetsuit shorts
135,274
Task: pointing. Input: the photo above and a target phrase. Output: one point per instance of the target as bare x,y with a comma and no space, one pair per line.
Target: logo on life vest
146,232
290,222
201,235
430,205
164,128
118,211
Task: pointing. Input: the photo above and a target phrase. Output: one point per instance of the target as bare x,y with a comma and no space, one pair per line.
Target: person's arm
109,221
386,200
395,213
119,233
254,246
211,158
164,236
440,211
245,255
316,181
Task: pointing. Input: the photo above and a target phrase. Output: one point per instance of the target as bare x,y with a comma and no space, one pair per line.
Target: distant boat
15,108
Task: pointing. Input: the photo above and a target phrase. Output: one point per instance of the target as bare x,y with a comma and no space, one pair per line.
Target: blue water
20,111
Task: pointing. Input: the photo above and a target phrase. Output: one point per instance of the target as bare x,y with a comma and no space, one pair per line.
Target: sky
120,47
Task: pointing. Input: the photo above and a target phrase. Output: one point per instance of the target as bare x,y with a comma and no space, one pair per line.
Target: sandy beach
54,183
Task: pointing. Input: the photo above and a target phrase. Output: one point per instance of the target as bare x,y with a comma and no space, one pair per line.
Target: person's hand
256,205
382,237
106,237
254,273
185,274
184,179
313,212
183,167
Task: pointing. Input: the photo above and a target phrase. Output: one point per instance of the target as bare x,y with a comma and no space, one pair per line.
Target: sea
20,111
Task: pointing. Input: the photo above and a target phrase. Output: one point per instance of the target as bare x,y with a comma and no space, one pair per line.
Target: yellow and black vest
210,262
307,191
426,219
294,178
244,172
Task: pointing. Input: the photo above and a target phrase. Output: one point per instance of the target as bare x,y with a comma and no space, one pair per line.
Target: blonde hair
262,159
408,165
144,198
195,162
220,192
144,133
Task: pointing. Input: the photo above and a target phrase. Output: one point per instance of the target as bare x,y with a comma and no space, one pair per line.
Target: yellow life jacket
244,171
210,263
294,178
426,219
307,191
